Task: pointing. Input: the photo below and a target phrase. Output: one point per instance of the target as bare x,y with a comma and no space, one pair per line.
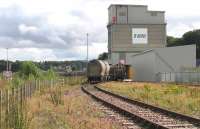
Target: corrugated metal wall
144,67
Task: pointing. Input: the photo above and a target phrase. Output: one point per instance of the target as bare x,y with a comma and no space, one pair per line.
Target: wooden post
21,97
25,87
34,86
63,82
1,109
39,85
7,107
29,90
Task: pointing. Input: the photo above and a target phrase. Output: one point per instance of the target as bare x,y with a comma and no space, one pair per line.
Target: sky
41,30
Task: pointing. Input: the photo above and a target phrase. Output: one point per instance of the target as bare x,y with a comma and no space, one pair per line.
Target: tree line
45,65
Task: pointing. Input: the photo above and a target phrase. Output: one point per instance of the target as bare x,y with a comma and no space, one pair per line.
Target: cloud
27,29
56,29
41,54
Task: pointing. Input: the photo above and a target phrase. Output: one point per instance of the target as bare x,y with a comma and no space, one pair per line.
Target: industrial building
133,29
148,64
137,37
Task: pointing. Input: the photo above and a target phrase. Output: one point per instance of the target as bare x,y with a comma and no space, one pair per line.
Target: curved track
152,116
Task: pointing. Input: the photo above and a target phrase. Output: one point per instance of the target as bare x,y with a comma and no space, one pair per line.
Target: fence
179,77
12,101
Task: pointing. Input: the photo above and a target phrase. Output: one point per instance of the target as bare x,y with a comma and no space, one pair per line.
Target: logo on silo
139,35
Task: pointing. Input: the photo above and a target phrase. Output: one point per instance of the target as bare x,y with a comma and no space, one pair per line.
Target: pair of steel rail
151,124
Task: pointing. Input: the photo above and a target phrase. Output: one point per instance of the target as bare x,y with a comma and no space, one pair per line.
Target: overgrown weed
170,96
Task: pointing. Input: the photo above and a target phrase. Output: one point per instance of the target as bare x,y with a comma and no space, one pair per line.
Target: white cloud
42,54
179,29
27,29
56,29
27,54
93,51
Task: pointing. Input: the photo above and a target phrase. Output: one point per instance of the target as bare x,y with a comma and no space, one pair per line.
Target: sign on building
139,35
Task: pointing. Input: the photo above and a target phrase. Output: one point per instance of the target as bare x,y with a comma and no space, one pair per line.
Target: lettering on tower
139,36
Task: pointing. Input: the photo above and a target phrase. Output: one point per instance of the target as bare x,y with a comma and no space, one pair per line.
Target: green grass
177,98
74,80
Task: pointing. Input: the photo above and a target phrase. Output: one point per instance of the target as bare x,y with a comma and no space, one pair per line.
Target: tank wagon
98,70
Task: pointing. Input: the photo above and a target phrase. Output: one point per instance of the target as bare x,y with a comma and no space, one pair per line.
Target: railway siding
159,109
177,98
153,116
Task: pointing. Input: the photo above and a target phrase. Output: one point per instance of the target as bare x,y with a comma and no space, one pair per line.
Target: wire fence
179,77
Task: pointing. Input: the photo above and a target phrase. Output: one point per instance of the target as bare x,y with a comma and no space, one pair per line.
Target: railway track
124,121
152,116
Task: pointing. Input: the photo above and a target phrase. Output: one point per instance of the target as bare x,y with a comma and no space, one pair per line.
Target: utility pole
7,69
87,35
87,48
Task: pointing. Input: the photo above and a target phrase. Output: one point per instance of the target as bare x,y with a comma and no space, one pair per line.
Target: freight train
99,70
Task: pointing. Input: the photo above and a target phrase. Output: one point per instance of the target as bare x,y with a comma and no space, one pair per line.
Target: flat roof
134,6
127,5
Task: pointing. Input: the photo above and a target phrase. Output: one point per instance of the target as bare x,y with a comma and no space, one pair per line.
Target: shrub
50,74
29,70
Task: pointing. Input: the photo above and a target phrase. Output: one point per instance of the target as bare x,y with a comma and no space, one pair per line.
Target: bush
28,70
50,74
